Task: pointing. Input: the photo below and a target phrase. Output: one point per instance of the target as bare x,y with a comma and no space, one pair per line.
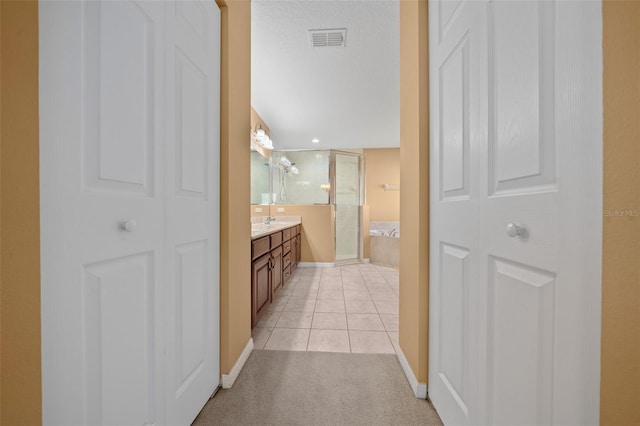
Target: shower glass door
347,203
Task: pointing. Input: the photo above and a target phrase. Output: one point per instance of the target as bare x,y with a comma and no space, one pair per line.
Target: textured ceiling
348,97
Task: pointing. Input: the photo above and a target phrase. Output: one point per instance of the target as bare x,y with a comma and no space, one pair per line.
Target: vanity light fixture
316,140
260,137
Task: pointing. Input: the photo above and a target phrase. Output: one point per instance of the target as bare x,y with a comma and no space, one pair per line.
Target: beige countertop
260,229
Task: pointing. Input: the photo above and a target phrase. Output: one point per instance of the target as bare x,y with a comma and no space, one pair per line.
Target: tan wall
366,239
318,241
620,369
235,228
381,166
263,207
20,383
414,185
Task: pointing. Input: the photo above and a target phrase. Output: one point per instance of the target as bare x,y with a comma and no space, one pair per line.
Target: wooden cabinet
294,251
286,261
260,286
274,258
286,274
260,247
276,239
296,247
276,271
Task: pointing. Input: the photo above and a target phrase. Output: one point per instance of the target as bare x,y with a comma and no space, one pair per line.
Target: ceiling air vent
328,38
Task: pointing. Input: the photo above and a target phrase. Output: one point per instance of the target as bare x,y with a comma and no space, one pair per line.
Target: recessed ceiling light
315,140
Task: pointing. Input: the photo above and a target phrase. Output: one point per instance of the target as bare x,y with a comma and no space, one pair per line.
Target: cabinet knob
129,225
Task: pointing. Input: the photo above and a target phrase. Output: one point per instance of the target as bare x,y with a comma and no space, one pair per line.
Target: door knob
129,225
515,229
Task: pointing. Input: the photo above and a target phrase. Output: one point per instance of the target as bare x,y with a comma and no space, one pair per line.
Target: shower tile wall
347,180
311,184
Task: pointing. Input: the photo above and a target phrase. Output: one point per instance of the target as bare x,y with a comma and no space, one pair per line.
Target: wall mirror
260,179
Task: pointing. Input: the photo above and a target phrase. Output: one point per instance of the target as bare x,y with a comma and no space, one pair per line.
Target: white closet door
515,211
193,132
124,269
101,150
454,210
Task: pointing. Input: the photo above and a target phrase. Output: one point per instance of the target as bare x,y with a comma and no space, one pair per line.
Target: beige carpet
316,388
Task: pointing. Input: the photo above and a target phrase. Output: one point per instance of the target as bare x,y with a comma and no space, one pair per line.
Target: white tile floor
350,308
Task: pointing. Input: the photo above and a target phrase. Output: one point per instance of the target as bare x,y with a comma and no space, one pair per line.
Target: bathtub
384,243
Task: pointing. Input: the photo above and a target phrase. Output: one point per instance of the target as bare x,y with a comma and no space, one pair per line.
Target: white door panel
192,211
454,124
121,40
521,99
520,343
104,149
99,165
516,123
190,307
452,372
453,330
118,296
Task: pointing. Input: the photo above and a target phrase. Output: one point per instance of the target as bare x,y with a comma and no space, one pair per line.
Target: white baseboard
316,264
229,379
366,260
419,389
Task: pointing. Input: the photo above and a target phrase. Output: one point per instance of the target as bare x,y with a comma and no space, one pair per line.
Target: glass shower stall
324,177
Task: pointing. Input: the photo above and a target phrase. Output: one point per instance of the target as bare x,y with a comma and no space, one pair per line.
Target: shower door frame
332,201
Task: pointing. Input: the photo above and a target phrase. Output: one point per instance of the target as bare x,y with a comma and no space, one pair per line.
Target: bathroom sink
263,228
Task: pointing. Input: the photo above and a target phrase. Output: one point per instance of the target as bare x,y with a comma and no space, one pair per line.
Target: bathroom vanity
275,253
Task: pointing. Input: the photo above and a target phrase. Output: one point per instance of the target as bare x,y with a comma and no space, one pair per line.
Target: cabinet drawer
286,274
286,234
298,229
286,261
276,239
286,246
259,247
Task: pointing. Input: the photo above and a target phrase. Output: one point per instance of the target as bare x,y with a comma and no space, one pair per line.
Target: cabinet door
276,270
260,289
294,252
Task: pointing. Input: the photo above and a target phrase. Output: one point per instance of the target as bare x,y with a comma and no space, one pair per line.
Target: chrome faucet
268,220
